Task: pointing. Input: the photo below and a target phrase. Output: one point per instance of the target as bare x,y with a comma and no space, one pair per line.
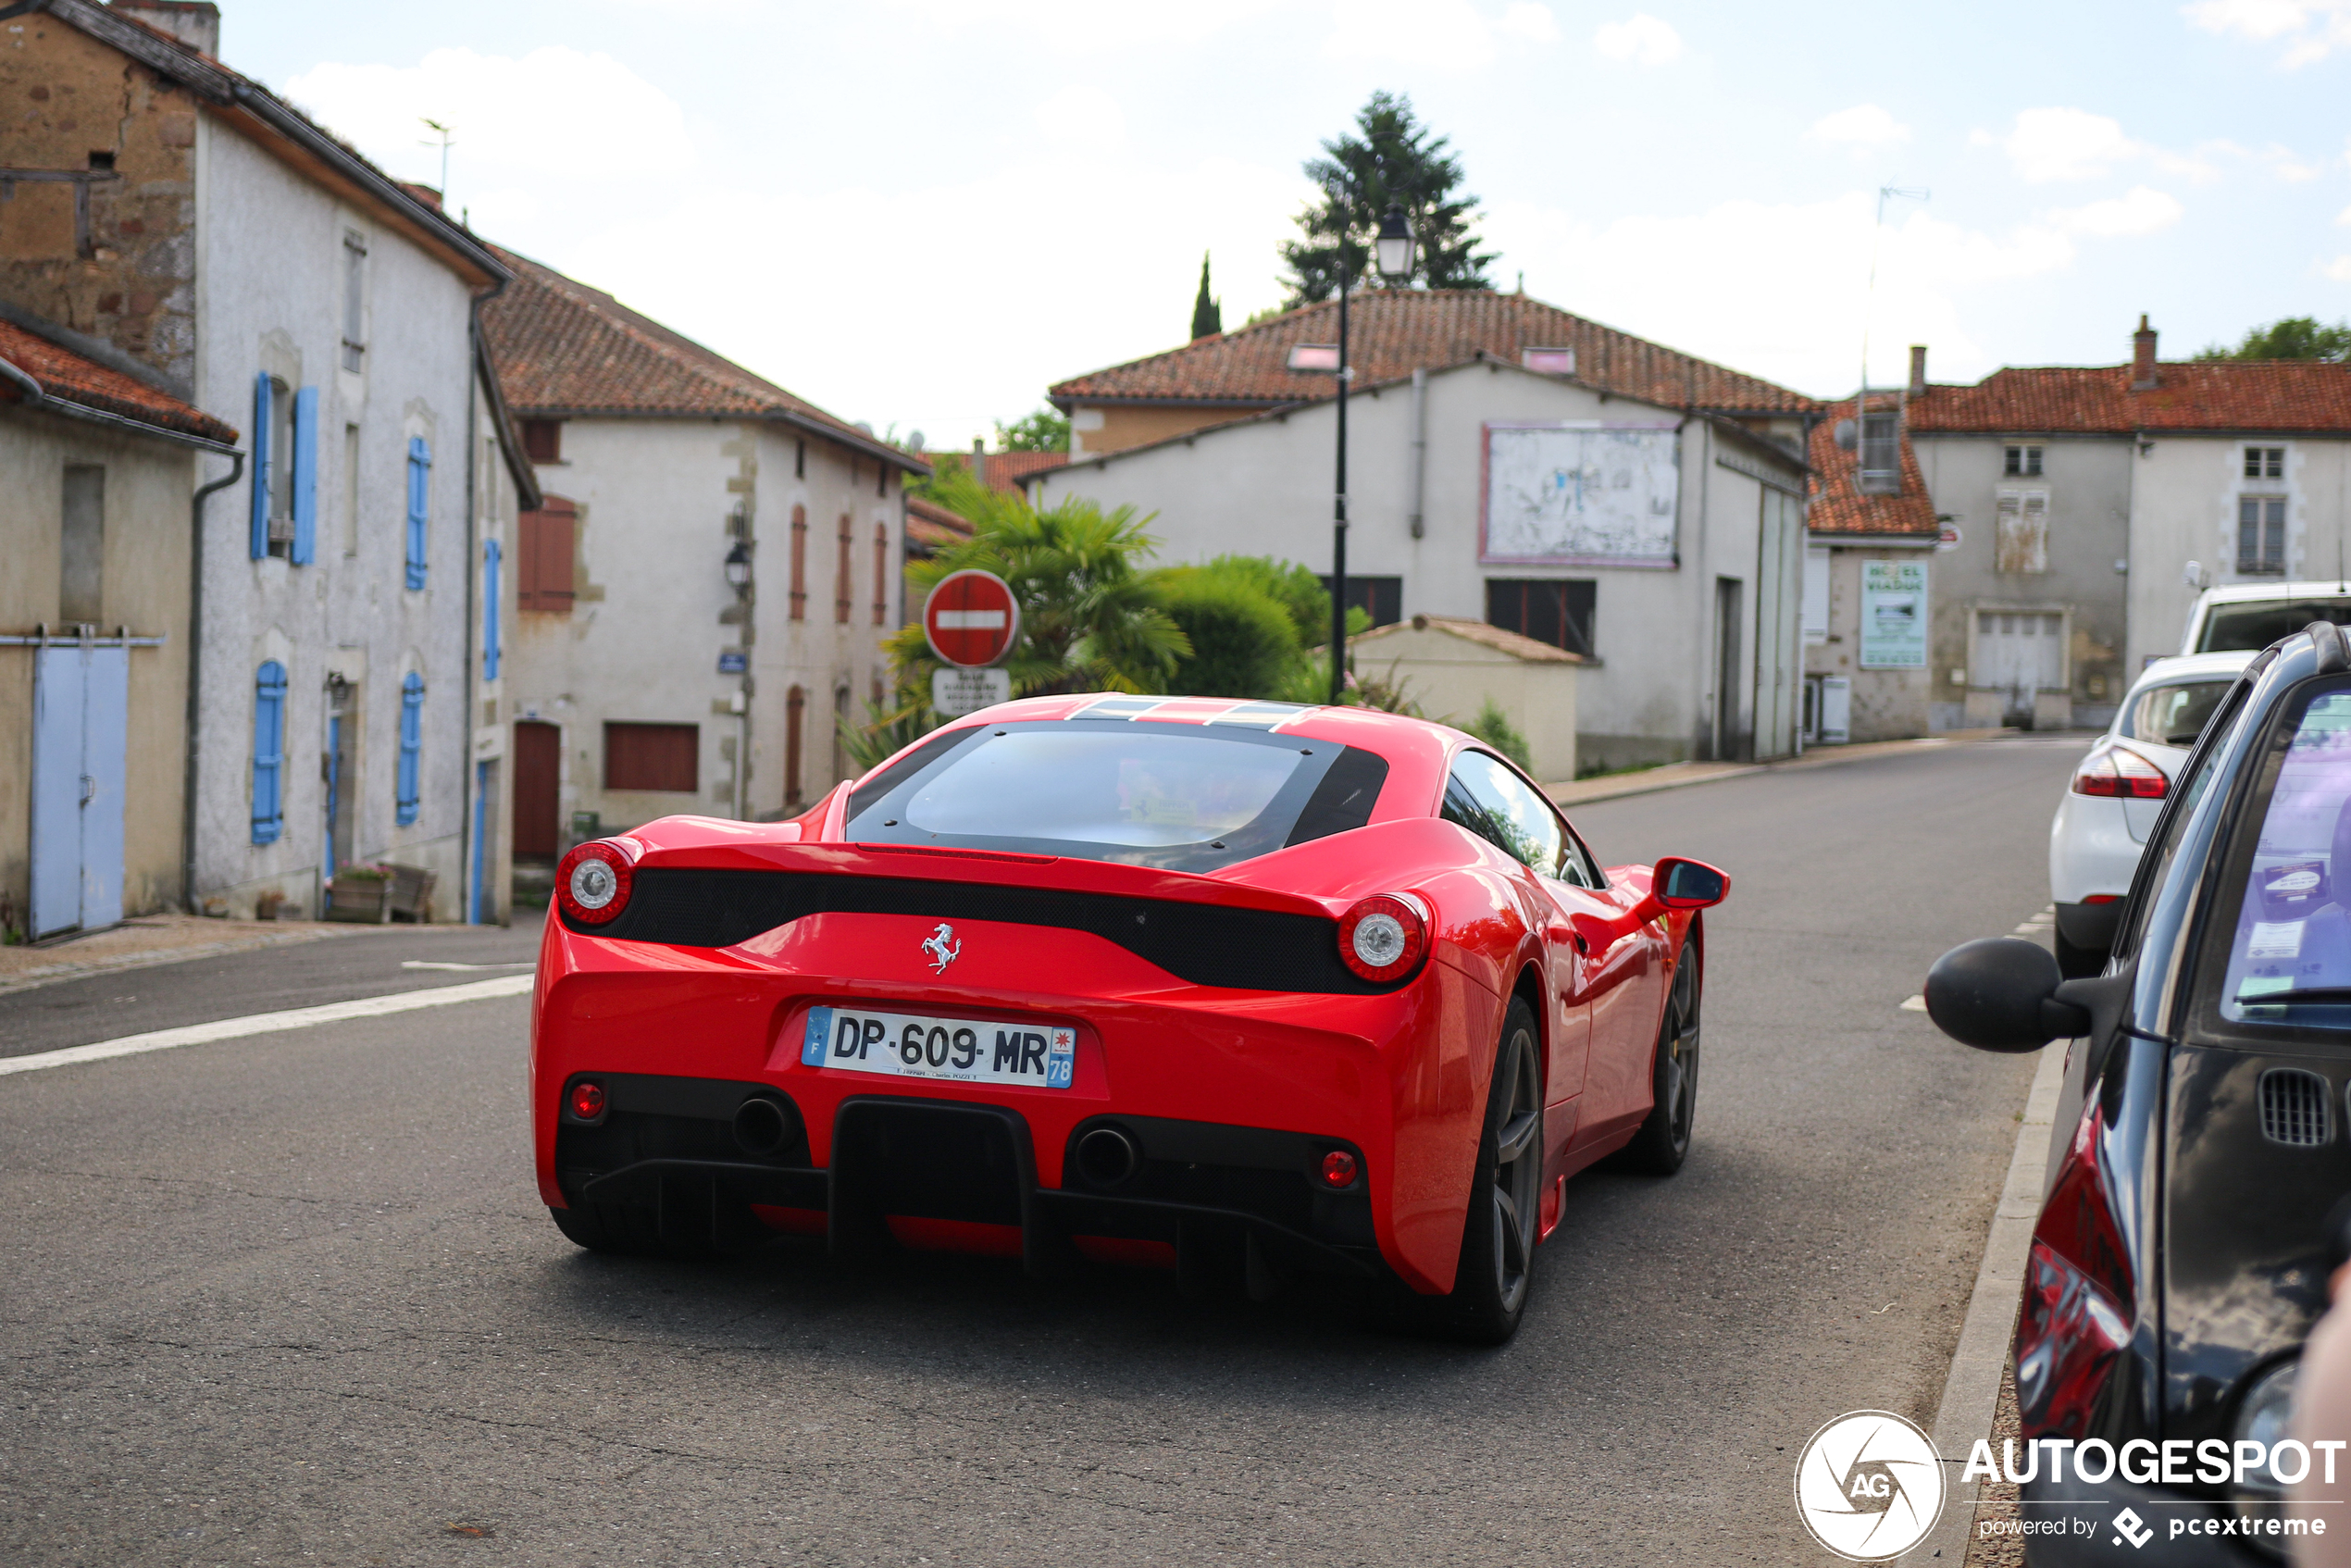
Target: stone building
1508,463
186,216
704,591
102,468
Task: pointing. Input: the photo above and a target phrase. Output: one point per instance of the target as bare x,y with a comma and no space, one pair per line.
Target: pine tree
1207,315
1389,157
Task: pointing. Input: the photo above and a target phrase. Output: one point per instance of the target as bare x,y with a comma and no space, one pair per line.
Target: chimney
1918,369
979,458
195,22
2143,358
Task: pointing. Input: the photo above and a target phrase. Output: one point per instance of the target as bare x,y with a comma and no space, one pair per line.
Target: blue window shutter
305,475
490,573
269,752
412,739
420,506
261,412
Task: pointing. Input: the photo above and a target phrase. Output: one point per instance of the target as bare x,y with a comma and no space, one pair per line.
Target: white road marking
1915,1004
272,1023
426,963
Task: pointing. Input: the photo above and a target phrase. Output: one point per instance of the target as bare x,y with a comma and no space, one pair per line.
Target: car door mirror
1689,884
2001,994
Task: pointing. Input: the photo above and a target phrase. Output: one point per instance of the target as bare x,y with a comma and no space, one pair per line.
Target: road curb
1568,796
1971,1388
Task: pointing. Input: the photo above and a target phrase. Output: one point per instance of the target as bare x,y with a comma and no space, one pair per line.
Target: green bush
1493,726
1243,642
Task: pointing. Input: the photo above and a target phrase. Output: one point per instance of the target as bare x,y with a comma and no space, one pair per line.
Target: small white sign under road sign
954,693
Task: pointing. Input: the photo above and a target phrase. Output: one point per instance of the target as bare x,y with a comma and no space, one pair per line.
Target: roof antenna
1885,195
447,134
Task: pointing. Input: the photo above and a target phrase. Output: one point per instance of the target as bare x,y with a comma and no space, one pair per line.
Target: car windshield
2290,960
2175,713
1186,797
2259,624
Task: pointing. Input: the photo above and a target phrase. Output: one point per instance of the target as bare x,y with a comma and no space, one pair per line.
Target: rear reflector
1338,1168
2119,772
587,1099
955,1236
1132,1252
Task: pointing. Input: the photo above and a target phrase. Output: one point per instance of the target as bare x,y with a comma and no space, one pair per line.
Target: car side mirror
1689,884
2001,994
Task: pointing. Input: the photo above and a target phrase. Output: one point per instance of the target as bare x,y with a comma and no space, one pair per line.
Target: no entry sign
971,618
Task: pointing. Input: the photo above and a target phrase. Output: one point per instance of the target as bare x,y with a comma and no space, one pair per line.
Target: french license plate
906,1045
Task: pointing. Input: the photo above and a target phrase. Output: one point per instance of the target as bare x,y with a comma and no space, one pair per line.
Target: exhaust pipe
762,1127
1106,1156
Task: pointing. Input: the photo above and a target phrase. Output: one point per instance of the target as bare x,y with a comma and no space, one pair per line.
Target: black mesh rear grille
1245,948
2295,1108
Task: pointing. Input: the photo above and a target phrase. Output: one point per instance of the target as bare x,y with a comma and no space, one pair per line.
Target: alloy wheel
1518,1169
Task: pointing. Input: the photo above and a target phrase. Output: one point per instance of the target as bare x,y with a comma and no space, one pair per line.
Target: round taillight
587,1099
592,883
1384,936
1338,1168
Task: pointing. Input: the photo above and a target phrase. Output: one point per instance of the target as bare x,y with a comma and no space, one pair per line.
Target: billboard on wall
1893,614
1580,494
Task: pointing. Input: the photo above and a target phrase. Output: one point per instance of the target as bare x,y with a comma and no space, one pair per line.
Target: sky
921,213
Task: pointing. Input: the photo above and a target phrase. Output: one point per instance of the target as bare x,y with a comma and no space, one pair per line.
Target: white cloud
1449,35
555,112
2052,145
2312,29
2144,211
2340,269
1073,26
1640,37
1081,112
1863,125
1531,23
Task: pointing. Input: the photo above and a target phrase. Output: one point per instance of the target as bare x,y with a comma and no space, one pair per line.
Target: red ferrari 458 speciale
1240,989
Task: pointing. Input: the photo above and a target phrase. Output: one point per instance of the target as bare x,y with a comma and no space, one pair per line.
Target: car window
1182,797
1486,797
2263,622
2174,713
1577,866
2288,904
2154,861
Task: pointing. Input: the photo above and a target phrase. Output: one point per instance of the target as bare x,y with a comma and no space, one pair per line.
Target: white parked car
2251,616
2103,821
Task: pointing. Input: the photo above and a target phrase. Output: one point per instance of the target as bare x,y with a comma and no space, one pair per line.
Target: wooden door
538,783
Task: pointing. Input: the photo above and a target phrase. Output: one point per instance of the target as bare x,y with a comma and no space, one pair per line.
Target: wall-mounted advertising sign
1580,494
1893,614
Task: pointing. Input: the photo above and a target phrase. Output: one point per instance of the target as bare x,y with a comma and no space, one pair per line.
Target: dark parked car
2180,1259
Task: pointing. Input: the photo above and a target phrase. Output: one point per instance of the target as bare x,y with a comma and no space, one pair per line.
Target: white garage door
2018,652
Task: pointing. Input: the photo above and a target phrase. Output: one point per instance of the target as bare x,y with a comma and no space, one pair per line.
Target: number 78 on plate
971,1050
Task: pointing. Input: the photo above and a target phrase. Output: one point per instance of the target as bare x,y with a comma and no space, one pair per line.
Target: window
420,506
795,716
2262,535
2258,625
1816,597
799,460
841,592
269,752
2289,963
542,440
661,757
355,299
2174,713
1880,472
1382,598
2021,533
543,585
2265,462
1180,797
881,479
1546,609
407,783
81,581
800,562
881,573
493,582
1485,796
285,470
2024,462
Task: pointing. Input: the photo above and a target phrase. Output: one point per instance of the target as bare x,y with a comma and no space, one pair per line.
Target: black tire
1496,1269
580,1226
2078,962
1663,1141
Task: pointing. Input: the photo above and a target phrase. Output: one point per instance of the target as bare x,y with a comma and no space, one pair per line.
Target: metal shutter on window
412,739
305,476
261,410
492,574
420,506
269,752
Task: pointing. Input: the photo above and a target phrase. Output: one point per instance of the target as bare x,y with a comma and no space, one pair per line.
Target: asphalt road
292,1298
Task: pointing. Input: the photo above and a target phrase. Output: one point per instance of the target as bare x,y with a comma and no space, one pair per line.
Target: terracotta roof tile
68,378
1839,507
1391,333
930,525
565,349
2202,394
1005,470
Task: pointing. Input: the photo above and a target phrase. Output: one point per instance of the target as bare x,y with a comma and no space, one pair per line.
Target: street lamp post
1393,257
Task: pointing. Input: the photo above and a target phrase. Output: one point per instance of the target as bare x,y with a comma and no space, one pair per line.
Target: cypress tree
1208,316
